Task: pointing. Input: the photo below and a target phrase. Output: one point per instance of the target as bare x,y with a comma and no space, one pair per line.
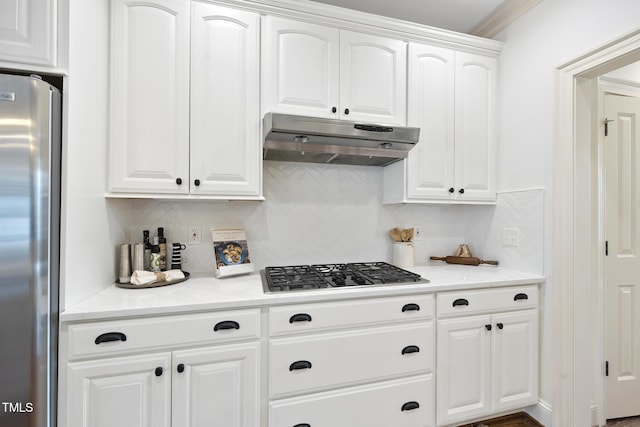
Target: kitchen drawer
406,403
320,361
303,318
125,336
486,300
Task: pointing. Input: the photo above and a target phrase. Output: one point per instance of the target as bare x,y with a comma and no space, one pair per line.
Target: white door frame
578,389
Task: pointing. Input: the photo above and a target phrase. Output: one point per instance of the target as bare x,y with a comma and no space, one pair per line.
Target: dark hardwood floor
515,420
624,422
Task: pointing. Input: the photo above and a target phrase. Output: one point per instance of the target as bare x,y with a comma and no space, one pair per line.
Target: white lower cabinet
143,377
375,369
487,363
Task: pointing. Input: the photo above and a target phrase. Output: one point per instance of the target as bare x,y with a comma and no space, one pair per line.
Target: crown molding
502,16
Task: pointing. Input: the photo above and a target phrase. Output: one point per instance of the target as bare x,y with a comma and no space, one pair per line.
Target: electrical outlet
510,237
417,232
195,235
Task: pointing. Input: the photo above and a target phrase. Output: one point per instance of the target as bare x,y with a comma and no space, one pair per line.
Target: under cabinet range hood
318,140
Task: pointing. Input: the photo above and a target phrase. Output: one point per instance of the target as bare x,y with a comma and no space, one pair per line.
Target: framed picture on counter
231,252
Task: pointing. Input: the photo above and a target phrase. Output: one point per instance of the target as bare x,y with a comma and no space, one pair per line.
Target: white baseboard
541,412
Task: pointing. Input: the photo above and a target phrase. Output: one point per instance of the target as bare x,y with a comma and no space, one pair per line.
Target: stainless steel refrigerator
30,151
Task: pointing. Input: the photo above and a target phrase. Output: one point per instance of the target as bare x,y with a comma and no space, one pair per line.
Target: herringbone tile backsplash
316,213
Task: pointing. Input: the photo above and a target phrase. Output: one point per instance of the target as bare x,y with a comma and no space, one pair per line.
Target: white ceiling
464,16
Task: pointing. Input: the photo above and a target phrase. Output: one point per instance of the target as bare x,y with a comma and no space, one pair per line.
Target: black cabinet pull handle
411,349
410,406
520,296
110,336
410,307
461,191
346,111
460,301
300,317
334,109
302,425
179,181
500,325
451,190
300,364
159,371
226,324
197,182
181,368
488,327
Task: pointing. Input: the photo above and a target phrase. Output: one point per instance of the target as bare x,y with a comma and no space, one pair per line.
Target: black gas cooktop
333,276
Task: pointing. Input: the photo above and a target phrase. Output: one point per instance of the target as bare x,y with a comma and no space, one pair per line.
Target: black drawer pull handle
460,301
300,364
520,296
159,371
500,325
410,307
411,349
410,406
302,425
300,317
226,324
181,368
110,336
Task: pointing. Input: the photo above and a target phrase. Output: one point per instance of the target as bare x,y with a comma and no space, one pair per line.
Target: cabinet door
149,111
515,359
373,78
225,143
463,372
431,108
475,127
300,71
125,392
27,31
217,386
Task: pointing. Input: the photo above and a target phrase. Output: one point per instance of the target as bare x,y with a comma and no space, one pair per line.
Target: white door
217,386
622,265
463,369
514,351
149,97
373,79
431,108
225,120
28,31
300,70
475,127
121,391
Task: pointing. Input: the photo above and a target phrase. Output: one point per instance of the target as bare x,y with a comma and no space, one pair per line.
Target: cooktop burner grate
321,276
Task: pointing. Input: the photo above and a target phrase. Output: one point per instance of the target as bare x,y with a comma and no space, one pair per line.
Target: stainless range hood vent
317,140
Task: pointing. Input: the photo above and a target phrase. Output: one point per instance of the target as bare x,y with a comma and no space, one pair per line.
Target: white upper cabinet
320,71
300,68
149,111
451,98
225,97
475,127
28,32
184,100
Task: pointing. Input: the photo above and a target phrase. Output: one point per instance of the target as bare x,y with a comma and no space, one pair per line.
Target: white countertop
201,293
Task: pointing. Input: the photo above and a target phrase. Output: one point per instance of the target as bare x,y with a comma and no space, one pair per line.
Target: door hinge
606,126
606,248
606,368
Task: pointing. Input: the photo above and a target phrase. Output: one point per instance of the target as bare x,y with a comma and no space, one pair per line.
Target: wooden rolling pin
465,260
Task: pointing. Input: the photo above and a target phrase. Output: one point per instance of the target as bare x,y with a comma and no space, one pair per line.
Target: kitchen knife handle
410,406
460,301
300,317
300,364
110,336
226,324
411,349
410,307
